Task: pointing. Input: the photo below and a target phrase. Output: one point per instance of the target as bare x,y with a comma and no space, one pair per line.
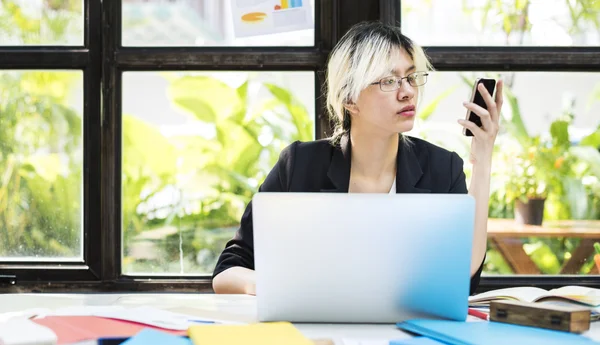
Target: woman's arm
482,147
235,280
480,190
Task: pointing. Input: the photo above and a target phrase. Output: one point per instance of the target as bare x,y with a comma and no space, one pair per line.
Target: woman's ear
351,107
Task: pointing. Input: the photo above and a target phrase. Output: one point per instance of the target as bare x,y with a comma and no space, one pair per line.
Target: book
572,294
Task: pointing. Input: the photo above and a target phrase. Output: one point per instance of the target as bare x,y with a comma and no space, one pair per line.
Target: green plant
534,167
213,175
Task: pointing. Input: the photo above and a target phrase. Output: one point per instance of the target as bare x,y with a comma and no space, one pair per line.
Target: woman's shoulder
303,150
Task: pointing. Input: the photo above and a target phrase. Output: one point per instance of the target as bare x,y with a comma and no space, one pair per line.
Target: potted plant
526,185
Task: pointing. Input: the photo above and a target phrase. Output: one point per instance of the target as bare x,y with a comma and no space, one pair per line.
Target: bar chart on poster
288,4
263,17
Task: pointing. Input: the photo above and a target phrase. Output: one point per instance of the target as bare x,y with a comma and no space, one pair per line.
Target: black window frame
103,59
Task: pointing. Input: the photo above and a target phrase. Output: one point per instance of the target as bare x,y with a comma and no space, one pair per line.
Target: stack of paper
25,332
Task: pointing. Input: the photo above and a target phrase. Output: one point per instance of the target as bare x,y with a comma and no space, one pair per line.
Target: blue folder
490,333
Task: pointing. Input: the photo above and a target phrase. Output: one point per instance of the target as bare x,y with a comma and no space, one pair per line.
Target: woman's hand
482,144
482,147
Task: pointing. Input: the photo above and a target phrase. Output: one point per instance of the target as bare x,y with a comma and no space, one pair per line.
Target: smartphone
477,98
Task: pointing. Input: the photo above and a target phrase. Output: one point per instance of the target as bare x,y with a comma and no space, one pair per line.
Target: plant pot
530,212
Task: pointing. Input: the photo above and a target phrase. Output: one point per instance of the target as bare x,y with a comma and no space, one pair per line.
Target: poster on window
262,17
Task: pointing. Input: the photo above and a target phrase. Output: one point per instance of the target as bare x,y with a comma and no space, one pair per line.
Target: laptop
362,258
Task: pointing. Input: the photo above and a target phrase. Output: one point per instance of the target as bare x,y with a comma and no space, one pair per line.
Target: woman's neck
374,156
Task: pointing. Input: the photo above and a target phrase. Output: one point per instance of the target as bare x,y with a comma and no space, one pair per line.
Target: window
194,155
219,23
47,23
50,140
41,164
121,125
502,23
545,202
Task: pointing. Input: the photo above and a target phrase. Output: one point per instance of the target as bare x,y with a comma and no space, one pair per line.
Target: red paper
71,329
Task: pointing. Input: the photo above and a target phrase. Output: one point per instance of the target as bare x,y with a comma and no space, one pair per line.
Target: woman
375,75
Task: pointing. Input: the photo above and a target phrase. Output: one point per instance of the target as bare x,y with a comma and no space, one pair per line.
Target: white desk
230,307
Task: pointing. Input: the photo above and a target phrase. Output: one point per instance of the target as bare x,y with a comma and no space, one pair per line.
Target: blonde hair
364,55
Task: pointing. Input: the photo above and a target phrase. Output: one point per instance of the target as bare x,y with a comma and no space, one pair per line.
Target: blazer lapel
408,169
339,169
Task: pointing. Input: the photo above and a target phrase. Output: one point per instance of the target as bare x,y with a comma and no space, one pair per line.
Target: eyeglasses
392,83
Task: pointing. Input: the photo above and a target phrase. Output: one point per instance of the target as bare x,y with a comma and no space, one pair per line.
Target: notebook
574,294
490,333
272,333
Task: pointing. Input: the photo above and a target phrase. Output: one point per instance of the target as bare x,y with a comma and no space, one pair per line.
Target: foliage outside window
558,168
41,144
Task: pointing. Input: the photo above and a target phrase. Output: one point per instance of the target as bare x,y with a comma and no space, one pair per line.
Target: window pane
218,23
194,153
37,22
501,23
41,163
547,155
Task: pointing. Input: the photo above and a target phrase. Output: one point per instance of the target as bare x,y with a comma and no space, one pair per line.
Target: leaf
242,91
298,112
543,257
224,173
26,169
145,148
514,124
595,96
47,166
592,140
246,161
589,155
208,92
577,198
432,106
466,80
506,26
202,110
559,130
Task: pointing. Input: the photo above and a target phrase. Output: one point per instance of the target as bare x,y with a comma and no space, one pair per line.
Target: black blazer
319,166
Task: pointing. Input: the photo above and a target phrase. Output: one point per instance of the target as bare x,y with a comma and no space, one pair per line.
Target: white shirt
393,189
